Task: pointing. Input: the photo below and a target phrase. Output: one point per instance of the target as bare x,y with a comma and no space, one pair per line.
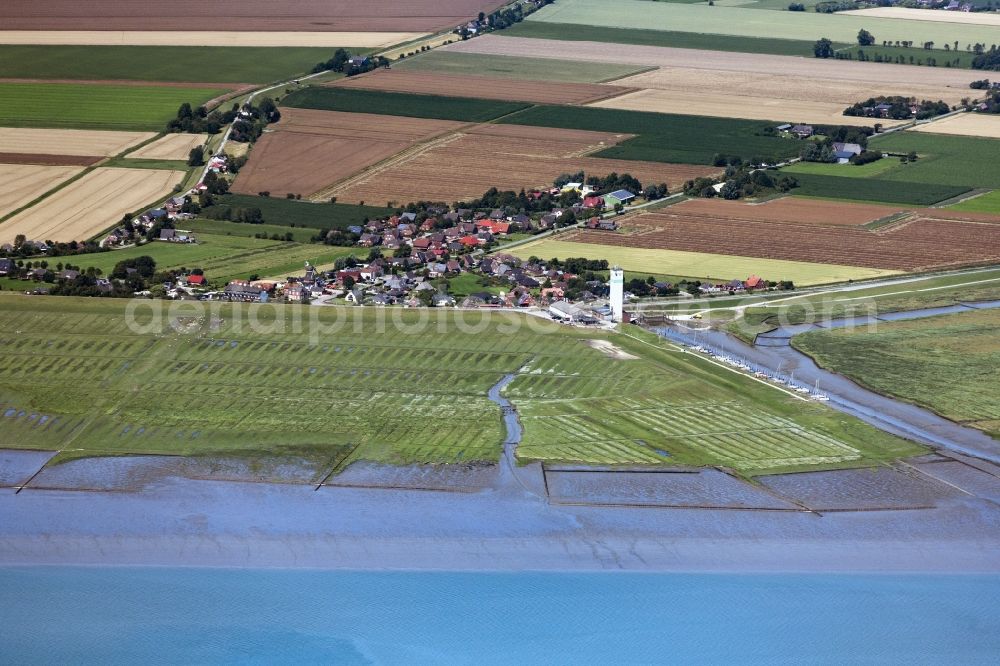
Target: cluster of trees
253,119
338,237
866,157
200,121
341,62
900,108
831,7
578,265
653,192
992,102
796,7
988,60
248,215
614,181
22,248
739,182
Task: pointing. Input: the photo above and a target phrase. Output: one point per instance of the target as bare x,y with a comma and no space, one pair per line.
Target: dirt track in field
23,183
310,150
68,141
48,160
804,70
169,147
194,15
483,87
506,157
90,204
790,209
921,241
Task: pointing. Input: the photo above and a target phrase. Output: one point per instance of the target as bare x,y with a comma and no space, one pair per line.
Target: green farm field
223,257
843,170
876,190
343,386
711,266
950,363
744,22
944,159
226,228
987,203
647,37
95,106
400,104
214,64
287,212
664,137
515,67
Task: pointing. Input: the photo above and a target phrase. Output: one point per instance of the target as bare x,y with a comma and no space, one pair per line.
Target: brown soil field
206,38
919,242
310,150
23,183
68,141
502,156
482,87
967,124
806,70
89,205
789,209
49,160
169,147
194,15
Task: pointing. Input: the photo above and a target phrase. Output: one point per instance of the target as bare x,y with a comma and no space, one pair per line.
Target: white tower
617,293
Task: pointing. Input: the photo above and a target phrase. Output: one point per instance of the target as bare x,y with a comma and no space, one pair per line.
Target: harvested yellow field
875,75
169,147
204,38
724,93
23,183
719,267
68,141
969,18
966,124
722,105
91,204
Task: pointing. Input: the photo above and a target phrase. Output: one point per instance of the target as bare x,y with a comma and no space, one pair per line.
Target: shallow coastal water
164,615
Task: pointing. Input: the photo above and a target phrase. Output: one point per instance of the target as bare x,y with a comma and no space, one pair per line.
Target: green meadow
291,212
987,203
214,64
223,257
944,159
749,22
877,190
401,104
331,384
95,106
950,363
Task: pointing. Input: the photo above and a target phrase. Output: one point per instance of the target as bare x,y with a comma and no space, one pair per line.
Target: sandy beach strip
205,38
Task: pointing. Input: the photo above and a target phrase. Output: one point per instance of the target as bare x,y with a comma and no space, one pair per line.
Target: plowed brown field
187,15
506,157
483,87
309,150
919,242
789,209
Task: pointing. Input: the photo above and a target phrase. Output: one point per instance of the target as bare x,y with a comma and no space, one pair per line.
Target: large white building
617,293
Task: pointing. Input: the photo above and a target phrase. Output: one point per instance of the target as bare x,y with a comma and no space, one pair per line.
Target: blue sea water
120,615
